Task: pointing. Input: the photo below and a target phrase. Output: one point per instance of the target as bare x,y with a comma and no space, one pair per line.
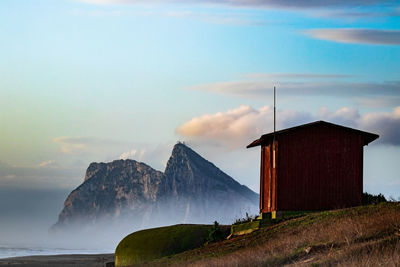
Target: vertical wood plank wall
317,168
265,179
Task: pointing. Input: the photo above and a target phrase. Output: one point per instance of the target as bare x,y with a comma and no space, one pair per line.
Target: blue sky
84,81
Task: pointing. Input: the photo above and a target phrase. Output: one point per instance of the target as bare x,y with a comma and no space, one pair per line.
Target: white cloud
89,145
339,9
92,149
154,155
238,127
357,36
70,145
234,128
355,13
46,163
387,124
40,177
285,4
382,101
301,84
212,16
344,116
133,154
298,76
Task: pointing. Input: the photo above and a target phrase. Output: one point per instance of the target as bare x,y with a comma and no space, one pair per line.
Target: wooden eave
267,138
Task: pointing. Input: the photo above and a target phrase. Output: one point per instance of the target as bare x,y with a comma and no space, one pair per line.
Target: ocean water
8,252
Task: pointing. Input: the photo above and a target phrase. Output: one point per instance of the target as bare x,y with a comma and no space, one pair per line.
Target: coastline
76,260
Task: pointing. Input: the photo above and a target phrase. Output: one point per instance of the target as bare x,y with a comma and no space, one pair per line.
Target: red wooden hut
315,166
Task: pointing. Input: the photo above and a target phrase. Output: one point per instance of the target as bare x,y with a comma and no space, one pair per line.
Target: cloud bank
155,156
47,175
256,85
287,4
357,36
95,149
236,128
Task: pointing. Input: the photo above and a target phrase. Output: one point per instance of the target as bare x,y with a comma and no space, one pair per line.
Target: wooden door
268,185
265,179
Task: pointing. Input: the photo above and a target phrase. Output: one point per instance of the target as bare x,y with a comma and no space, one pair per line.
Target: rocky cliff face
112,188
200,192
191,189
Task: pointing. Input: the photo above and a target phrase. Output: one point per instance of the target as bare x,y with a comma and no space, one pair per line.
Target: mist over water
106,232
26,217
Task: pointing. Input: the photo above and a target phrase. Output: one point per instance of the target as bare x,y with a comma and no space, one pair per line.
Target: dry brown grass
363,236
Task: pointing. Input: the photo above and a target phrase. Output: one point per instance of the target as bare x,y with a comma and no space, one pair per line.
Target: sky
86,81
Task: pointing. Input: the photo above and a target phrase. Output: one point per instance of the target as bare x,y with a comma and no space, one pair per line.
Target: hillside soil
360,236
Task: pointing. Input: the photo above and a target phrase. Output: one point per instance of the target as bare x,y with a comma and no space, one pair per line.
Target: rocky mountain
201,192
111,188
191,190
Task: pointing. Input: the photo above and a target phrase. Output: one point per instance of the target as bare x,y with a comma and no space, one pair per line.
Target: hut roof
266,138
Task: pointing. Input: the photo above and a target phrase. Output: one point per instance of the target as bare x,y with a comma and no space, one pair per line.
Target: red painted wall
318,168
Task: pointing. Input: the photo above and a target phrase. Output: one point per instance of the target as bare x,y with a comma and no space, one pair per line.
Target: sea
9,252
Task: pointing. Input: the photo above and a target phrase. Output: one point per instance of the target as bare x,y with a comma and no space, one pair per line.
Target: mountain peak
191,186
190,174
181,148
183,157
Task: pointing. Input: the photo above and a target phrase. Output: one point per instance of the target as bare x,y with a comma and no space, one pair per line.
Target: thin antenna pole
272,156
272,166
274,110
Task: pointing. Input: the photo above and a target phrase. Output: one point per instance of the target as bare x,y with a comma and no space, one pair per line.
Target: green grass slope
360,236
155,243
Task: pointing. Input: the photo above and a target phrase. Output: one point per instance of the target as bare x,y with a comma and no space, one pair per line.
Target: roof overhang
267,138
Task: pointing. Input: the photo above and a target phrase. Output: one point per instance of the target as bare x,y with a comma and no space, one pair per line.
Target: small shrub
215,233
248,218
368,199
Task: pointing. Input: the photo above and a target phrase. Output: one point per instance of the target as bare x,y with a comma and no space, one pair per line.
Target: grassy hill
155,243
361,236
